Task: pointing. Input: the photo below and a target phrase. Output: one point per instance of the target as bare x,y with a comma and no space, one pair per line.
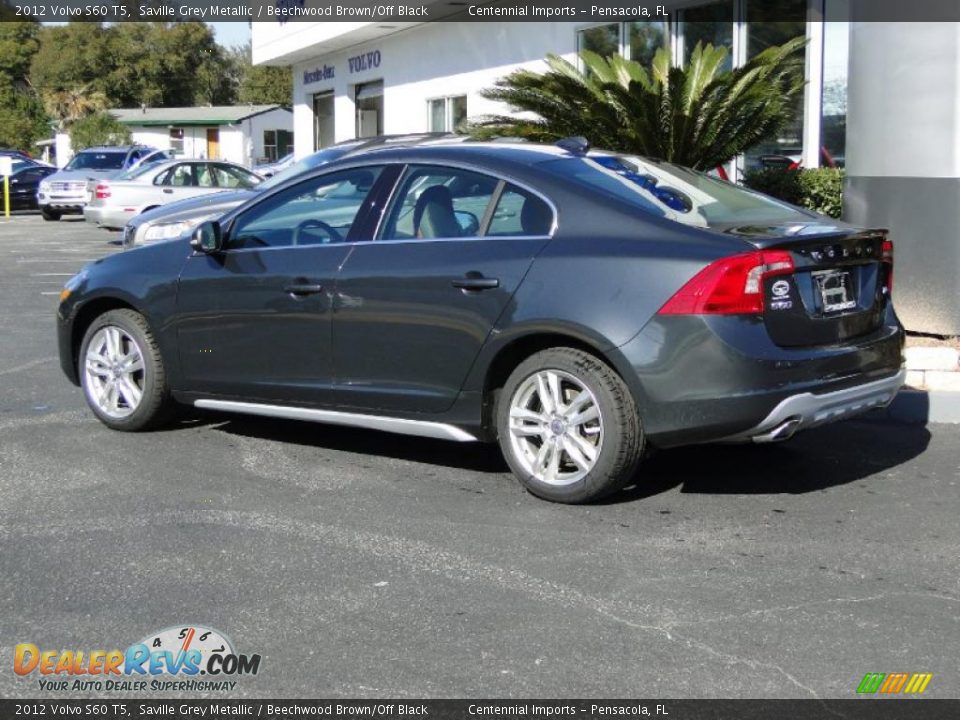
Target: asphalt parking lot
369,565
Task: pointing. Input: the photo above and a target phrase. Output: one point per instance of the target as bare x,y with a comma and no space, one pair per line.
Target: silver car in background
176,219
114,201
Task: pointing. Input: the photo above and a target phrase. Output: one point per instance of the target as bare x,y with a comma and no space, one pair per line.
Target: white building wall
240,143
423,62
158,137
274,120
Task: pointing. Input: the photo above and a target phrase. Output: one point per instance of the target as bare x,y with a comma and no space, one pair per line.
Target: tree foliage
101,128
260,84
63,73
24,119
700,115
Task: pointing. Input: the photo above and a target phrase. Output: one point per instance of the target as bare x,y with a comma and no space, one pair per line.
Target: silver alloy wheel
114,371
556,429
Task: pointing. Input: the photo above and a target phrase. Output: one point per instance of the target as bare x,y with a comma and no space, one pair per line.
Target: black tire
622,435
156,405
50,215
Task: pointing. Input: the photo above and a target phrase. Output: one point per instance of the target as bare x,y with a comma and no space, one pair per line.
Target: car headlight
44,187
172,230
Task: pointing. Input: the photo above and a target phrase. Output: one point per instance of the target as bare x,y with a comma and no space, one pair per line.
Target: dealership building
859,110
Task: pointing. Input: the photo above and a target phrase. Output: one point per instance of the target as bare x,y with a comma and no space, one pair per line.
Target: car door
175,183
254,319
414,307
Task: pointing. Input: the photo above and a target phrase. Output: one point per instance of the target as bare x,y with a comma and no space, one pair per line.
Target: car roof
453,149
114,148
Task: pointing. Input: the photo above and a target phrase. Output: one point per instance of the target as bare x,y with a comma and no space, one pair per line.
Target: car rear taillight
730,286
102,191
886,257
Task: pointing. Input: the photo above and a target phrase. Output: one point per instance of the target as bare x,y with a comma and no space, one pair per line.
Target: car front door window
321,210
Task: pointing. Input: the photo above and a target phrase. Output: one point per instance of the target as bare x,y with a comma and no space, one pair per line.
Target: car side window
437,202
315,212
231,177
177,176
520,213
203,175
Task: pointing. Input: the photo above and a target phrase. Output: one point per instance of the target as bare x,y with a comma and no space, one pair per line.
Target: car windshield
694,198
97,161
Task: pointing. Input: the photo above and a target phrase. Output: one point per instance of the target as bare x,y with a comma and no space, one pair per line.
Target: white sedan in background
113,202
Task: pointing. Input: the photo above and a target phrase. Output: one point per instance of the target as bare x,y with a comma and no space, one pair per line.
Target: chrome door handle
303,289
474,281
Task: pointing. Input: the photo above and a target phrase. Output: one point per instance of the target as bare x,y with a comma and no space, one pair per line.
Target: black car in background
24,183
578,309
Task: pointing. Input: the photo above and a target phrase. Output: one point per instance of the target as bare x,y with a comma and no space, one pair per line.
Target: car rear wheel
568,426
50,215
122,372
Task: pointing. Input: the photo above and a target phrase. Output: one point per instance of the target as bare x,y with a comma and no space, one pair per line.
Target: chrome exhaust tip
783,431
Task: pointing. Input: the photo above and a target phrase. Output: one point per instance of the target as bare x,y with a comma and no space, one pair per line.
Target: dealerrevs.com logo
172,659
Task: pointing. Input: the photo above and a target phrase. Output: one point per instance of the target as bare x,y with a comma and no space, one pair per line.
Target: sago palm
697,115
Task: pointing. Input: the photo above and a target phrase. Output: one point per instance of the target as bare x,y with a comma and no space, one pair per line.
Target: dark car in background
578,310
24,183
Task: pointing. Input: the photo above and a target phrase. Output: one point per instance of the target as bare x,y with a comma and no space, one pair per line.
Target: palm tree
67,105
698,115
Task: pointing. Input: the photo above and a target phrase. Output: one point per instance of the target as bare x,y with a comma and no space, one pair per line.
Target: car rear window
97,161
675,192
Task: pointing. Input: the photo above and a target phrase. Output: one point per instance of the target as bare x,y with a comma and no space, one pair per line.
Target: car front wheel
50,215
569,427
122,373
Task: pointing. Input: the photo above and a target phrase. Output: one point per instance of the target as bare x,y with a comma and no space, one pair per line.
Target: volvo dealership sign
365,61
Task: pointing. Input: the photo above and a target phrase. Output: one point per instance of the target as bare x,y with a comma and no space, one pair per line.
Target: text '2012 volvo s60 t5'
577,307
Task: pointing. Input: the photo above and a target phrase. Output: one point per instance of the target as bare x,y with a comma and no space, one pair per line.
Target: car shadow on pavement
812,461
479,457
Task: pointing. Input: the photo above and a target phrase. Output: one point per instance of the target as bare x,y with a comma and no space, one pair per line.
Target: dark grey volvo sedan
579,308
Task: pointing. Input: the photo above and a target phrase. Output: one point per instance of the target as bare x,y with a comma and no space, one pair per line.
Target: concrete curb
920,407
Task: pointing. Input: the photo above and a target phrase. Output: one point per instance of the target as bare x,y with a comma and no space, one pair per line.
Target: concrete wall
903,160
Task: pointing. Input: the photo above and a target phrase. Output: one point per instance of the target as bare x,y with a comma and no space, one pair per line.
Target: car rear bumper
718,379
106,216
806,410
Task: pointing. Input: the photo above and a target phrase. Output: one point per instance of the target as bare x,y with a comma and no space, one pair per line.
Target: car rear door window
321,210
203,175
439,203
231,177
520,213
177,176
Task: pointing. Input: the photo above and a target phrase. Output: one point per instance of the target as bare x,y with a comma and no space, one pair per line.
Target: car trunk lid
840,286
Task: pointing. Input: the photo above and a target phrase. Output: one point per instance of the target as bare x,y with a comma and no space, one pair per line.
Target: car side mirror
207,237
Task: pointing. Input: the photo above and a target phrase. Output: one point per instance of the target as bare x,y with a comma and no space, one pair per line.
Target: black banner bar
854,709
284,11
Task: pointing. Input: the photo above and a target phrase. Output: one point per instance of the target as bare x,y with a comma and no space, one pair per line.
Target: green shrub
820,190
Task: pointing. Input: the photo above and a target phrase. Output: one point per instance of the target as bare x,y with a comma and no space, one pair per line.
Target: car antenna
577,145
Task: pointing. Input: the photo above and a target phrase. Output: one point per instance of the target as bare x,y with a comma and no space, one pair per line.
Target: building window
176,140
708,24
770,24
276,144
833,118
446,114
604,40
645,38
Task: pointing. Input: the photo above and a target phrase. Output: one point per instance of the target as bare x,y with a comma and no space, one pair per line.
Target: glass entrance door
323,120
